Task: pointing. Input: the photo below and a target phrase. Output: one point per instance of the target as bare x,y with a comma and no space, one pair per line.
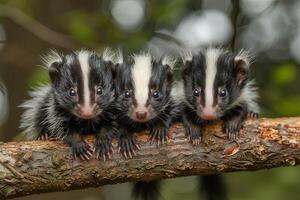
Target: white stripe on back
141,73
210,74
83,57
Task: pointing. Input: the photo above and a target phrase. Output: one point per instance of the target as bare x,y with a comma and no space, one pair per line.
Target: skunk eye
127,94
155,94
222,92
196,92
72,92
99,91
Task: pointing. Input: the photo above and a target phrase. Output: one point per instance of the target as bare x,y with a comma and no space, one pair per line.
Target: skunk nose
87,112
208,113
141,115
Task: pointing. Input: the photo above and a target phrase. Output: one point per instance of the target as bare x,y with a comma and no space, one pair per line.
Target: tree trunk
46,166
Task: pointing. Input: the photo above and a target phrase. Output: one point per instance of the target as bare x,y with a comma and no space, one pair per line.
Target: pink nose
141,115
86,112
208,113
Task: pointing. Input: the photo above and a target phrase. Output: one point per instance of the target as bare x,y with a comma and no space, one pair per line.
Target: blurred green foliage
284,74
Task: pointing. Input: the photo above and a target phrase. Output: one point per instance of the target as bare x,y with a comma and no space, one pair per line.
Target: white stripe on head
141,73
211,56
83,57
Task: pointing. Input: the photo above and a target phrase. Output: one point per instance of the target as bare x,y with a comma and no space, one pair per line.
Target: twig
38,29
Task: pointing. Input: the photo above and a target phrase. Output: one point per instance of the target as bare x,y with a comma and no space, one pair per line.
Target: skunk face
82,83
143,87
215,81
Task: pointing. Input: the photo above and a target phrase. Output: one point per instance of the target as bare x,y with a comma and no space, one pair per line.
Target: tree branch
39,30
47,166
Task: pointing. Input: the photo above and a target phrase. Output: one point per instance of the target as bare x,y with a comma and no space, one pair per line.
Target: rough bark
46,166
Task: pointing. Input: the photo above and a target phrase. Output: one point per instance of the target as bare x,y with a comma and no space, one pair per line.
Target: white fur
32,107
141,73
211,55
249,93
246,56
186,55
177,92
108,54
83,57
169,61
119,57
40,96
113,56
69,59
249,97
51,57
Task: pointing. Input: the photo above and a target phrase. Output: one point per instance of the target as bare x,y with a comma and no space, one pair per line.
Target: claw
89,153
134,153
127,147
43,137
90,146
103,147
158,135
137,146
252,115
82,158
86,156
193,135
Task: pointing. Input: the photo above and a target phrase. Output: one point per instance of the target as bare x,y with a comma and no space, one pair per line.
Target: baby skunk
217,86
77,102
144,101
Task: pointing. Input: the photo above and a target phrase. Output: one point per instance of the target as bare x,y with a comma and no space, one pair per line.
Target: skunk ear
186,68
242,67
186,62
112,56
113,59
169,62
54,71
53,61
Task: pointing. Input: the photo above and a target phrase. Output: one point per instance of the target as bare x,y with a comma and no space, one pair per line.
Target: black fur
54,112
147,190
227,79
213,187
231,76
162,108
